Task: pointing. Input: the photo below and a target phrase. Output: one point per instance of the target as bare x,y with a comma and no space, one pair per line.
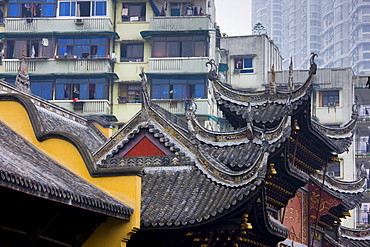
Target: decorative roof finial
313,65
22,80
145,96
212,74
290,79
191,108
273,81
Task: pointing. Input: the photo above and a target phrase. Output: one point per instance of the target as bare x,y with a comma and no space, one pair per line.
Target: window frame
178,87
73,88
41,9
88,49
73,8
127,9
174,46
244,65
131,58
329,98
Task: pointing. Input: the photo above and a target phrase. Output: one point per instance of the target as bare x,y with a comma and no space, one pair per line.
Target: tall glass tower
337,30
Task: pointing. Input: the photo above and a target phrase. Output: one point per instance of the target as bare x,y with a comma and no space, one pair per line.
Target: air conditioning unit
79,21
331,104
236,71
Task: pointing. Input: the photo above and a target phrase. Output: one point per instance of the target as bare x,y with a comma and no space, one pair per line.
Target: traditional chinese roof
269,107
340,138
203,175
355,237
262,107
349,192
24,168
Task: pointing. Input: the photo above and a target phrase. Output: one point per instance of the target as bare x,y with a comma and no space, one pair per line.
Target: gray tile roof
24,168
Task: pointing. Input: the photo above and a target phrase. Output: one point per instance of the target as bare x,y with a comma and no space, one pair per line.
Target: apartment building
87,55
338,31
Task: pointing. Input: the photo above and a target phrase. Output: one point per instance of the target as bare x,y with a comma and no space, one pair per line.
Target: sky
234,16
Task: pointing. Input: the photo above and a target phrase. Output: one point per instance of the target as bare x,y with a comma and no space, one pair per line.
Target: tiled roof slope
24,168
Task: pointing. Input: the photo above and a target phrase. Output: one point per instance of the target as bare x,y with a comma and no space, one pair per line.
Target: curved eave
339,139
350,193
257,98
359,236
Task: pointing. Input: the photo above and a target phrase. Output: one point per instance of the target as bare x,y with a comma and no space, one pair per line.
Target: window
76,88
29,9
42,47
178,87
82,8
244,65
83,47
42,88
334,169
179,9
180,46
133,12
133,52
329,98
364,144
129,93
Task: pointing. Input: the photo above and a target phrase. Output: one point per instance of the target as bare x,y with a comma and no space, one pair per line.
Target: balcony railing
46,66
85,106
181,23
63,24
177,106
178,65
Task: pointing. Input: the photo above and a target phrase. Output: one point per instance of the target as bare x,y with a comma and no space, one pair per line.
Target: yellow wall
127,189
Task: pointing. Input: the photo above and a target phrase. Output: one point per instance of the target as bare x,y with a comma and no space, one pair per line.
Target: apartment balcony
39,25
178,65
180,23
177,106
65,66
85,107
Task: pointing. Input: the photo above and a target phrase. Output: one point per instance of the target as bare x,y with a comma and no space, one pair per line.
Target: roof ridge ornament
354,111
212,74
22,80
290,78
313,65
146,102
190,109
273,82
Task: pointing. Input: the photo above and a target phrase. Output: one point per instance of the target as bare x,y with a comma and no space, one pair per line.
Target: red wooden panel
144,148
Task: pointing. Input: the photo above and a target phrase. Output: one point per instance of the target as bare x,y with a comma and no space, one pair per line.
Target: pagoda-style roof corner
349,192
339,137
263,107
